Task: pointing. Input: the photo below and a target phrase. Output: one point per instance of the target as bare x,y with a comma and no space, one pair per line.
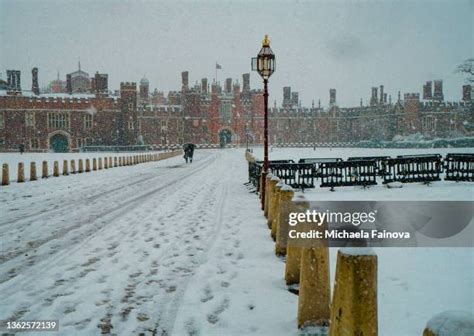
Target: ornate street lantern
264,64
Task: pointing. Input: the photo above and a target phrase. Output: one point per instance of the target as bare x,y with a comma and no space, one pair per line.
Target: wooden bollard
5,174
106,163
110,162
56,169
267,194
293,252
45,170
451,322
33,176
354,305
21,173
273,208
88,165
81,166
115,161
314,292
73,166
94,164
282,226
65,168
100,163
120,161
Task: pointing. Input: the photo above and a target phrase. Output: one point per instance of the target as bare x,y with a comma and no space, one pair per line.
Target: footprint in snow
207,294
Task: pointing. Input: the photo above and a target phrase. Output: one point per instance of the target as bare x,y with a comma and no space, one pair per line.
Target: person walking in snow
189,152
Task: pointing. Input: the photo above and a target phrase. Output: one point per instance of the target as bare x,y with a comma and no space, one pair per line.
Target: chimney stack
185,79
332,96
68,84
381,95
246,82
228,85
204,85
286,96
13,80
373,99
34,81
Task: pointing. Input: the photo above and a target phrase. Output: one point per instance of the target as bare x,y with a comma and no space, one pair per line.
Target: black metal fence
459,167
297,175
379,161
413,168
348,173
364,171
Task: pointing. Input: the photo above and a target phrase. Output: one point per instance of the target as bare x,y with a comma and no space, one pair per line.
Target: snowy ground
180,249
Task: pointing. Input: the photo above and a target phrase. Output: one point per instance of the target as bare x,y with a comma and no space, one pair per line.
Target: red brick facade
202,116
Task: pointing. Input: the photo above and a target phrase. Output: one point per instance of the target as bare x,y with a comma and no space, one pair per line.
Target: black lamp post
264,64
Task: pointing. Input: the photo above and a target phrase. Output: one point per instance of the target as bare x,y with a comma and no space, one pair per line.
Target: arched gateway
225,136
59,142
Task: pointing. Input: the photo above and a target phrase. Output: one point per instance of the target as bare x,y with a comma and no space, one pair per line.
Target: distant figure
189,152
22,148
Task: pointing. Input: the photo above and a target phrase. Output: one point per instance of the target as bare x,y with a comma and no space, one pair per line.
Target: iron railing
459,167
348,173
413,168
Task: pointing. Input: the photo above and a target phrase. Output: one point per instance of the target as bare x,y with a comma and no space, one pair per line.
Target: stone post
56,169
65,168
314,291
293,251
5,174
267,195
282,226
33,176
273,207
81,166
45,170
354,306
21,173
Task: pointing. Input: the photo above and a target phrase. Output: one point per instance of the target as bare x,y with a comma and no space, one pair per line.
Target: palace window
58,120
34,143
79,142
87,121
2,121
130,125
226,112
30,119
88,141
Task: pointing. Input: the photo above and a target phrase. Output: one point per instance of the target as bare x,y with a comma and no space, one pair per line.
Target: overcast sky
347,45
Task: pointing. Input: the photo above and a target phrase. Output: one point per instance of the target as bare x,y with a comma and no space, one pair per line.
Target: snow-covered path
115,251
166,248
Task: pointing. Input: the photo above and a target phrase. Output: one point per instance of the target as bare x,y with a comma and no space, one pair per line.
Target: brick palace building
88,114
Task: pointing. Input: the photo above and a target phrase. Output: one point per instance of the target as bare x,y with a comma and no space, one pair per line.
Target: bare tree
467,67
